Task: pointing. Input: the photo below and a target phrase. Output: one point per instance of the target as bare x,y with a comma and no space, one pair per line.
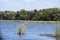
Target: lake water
8,31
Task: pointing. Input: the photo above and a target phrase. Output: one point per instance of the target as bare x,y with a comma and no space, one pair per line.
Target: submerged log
56,35
51,35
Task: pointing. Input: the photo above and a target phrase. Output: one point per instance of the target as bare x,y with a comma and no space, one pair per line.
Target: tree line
50,14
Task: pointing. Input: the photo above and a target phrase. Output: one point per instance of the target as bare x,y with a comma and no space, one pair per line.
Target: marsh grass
58,32
21,30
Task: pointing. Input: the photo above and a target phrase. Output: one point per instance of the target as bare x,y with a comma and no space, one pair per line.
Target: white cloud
30,0
3,0
10,5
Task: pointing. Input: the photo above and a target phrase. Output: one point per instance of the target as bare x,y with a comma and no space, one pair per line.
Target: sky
14,5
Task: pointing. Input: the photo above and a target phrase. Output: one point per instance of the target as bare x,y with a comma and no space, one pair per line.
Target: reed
21,30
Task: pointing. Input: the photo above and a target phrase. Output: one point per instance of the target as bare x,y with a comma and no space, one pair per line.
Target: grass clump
21,30
58,30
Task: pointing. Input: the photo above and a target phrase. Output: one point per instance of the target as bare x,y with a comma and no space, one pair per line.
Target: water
32,31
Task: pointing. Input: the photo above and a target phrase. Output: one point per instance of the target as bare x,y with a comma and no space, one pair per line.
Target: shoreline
50,22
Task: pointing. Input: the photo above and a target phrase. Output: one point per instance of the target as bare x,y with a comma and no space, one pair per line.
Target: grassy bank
52,22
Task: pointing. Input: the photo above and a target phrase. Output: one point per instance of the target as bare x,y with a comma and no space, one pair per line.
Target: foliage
51,14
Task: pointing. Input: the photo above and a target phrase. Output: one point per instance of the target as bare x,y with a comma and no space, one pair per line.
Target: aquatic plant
58,30
21,30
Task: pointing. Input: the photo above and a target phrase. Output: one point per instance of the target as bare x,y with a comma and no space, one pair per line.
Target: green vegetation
21,30
51,14
58,32
58,29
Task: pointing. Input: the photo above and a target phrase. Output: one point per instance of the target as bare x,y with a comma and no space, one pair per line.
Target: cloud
10,5
27,4
3,0
30,0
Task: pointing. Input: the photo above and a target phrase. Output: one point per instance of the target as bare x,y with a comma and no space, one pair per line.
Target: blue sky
27,4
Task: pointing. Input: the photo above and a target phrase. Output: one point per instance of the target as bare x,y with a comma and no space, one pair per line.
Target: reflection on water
32,31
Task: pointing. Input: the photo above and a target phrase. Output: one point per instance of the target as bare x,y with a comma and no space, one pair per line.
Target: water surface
32,31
